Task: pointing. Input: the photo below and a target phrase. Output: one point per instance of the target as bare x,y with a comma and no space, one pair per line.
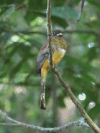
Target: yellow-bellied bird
59,46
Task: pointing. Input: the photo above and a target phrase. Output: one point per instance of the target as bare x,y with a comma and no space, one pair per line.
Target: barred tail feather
42,100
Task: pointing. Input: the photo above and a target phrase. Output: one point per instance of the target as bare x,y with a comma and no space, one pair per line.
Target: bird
59,46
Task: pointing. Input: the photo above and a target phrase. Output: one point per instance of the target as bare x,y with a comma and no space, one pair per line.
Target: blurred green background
22,33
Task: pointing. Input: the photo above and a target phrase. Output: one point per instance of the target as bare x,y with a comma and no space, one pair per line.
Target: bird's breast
58,55
60,51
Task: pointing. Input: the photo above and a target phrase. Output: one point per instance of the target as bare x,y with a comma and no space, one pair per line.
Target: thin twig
44,33
30,32
80,14
49,29
55,129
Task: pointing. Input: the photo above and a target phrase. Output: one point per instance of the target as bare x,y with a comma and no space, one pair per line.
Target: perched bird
59,46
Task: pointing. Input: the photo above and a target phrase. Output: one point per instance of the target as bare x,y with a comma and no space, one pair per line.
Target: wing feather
43,56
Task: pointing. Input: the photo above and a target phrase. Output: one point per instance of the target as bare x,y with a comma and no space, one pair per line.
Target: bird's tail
42,100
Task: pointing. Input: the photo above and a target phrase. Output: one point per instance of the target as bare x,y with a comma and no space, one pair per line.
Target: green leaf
57,20
64,12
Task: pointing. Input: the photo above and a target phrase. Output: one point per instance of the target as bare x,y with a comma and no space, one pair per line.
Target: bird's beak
60,34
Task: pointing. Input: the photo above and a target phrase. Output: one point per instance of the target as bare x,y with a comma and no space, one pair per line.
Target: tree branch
78,105
44,33
49,29
80,14
55,129
66,87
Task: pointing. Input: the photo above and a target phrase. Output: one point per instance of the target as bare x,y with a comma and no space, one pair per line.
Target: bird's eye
53,33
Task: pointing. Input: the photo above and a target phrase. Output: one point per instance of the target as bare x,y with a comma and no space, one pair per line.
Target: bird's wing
43,56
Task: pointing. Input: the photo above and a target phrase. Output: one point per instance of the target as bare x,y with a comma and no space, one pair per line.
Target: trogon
59,46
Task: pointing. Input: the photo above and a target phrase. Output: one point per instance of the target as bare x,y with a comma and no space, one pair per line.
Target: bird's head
57,33
58,40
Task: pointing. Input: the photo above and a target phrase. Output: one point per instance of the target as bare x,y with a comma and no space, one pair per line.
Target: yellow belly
45,67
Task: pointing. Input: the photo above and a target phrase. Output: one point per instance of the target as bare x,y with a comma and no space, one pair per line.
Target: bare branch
26,32
66,87
78,105
49,29
55,129
80,14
